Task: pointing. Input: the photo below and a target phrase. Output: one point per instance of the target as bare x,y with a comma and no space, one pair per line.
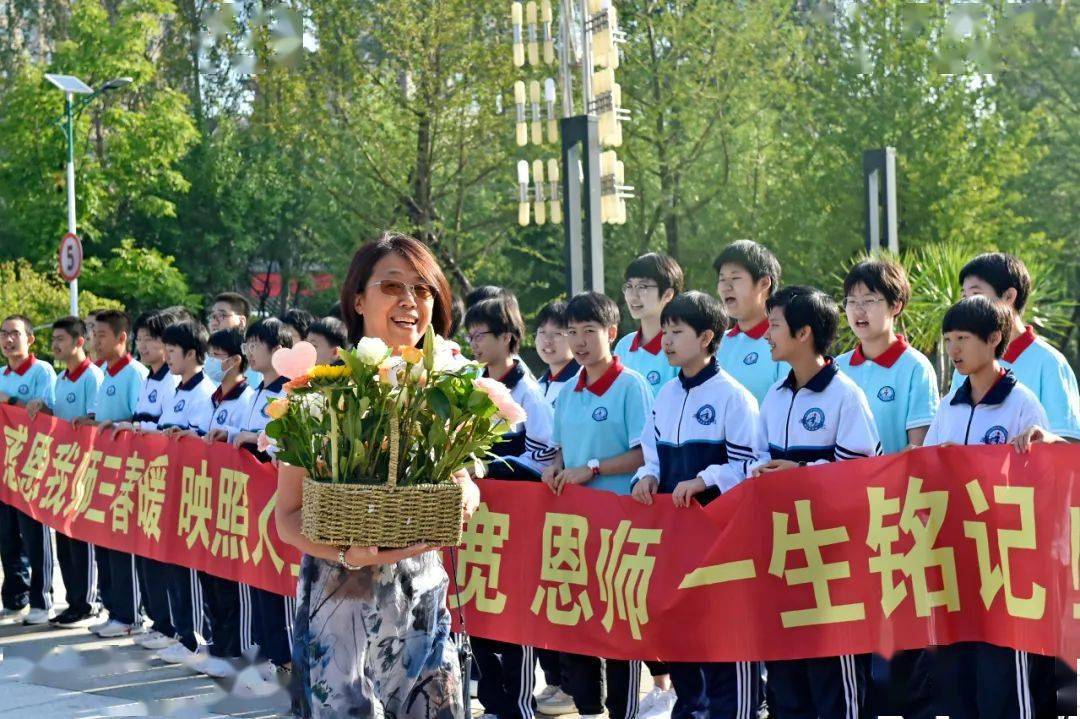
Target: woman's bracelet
343,562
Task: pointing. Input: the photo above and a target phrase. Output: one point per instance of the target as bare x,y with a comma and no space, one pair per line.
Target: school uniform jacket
529,443
702,426
827,420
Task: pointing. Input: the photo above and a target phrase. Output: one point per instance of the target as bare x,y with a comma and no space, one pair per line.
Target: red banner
183,501
932,546
927,547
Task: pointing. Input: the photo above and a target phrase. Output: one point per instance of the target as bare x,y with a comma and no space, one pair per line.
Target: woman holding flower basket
373,480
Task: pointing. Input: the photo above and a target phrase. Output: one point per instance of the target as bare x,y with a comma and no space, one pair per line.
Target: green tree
43,298
141,278
128,143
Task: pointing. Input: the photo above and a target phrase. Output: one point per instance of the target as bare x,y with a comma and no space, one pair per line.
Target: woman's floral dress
375,642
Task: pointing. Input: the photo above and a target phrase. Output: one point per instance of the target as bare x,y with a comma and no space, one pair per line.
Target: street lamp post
72,86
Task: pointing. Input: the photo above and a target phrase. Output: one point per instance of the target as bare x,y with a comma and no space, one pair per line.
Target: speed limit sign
70,256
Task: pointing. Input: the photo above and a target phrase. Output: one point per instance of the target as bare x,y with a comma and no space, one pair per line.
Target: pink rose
264,443
497,392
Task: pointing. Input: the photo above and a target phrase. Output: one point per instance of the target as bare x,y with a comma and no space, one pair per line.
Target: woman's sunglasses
396,288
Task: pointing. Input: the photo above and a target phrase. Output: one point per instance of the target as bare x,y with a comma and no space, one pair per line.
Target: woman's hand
471,493
371,556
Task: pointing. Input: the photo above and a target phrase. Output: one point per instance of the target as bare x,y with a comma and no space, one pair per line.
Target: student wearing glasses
651,281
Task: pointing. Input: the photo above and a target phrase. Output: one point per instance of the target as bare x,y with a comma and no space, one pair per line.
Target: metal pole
586,58
73,286
565,48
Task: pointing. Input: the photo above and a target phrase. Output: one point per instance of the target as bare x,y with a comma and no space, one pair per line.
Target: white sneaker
217,667
546,693
154,640
657,704
179,654
37,616
7,615
114,629
98,626
556,703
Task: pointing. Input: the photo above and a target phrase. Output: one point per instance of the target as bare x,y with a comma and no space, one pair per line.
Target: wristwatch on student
594,467
342,561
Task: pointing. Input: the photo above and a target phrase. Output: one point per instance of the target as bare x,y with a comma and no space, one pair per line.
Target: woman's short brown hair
416,254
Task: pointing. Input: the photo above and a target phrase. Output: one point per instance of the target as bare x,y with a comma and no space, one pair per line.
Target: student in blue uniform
901,387
76,389
814,415
25,543
271,614
598,423
185,351
493,329
554,350
1033,361
649,283
701,440
747,275
975,679
115,402
327,336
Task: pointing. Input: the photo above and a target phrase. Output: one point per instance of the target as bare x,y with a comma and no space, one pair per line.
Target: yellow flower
277,408
329,372
412,355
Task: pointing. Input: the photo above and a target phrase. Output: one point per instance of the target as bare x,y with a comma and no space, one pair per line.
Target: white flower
314,403
390,370
448,355
371,351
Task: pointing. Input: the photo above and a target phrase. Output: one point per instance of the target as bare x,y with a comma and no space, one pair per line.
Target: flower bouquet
381,437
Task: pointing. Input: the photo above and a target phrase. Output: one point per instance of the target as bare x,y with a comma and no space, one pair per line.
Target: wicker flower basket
382,515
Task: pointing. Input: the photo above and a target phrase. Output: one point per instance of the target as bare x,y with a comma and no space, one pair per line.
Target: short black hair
154,322
188,336
808,307
332,328
271,331
980,316
699,310
481,293
657,266
117,320
235,300
1001,271
230,341
28,326
755,258
457,314
180,313
500,318
299,319
592,307
71,324
553,312
883,276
